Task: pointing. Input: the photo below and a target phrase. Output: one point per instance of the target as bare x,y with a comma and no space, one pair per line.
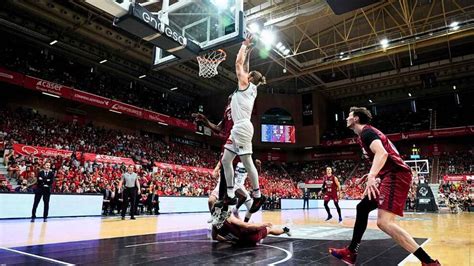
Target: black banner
307,100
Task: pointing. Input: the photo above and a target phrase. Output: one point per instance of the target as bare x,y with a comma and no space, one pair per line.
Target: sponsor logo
48,85
155,117
120,107
5,75
162,27
94,99
29,150
423,191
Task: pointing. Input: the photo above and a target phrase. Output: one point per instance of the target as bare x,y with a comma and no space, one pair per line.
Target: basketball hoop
208,63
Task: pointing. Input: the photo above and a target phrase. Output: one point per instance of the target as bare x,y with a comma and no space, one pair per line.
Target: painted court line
168,242
36,256
288,254
412,257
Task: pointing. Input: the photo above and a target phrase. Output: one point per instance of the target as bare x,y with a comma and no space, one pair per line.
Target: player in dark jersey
394,177
330,189
238,232
224,127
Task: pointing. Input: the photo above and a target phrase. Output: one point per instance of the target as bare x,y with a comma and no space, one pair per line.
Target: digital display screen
278,133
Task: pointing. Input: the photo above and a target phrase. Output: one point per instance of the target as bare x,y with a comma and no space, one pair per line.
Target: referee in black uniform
131,187
44,184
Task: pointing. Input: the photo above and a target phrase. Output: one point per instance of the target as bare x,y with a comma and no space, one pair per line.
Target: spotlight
409,94
384,43
220,3
142,76
279,45
103,61
254,28
454,25
370,101
268,37
286,52
53,42
454,87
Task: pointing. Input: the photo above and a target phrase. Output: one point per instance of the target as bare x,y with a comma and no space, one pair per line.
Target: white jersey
240,176
242,103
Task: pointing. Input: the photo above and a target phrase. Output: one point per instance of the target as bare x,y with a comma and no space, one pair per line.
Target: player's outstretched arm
240,62
203,118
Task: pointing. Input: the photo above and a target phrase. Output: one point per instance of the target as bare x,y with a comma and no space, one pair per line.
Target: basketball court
184,239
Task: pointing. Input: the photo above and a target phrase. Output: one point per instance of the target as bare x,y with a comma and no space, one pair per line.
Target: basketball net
208,63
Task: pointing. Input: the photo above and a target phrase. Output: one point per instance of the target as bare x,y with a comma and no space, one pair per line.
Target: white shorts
240,139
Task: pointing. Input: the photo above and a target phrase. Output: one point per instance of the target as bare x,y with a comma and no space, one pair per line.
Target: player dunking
331,188
240,140
224,127
389,198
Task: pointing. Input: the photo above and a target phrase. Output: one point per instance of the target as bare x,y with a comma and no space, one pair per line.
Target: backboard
421,166
182,30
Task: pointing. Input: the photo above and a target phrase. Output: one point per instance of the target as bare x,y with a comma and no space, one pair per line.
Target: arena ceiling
338,55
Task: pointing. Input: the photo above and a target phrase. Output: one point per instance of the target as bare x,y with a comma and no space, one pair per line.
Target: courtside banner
11,77
176,167
107,159
127,109
40,151
42,85
91,99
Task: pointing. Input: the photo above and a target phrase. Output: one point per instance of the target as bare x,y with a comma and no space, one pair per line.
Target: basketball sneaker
344,254
434,263
235,211
257,204
329,217
286,230
224,203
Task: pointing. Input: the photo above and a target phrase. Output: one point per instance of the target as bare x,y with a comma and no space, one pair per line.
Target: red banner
40,151
155,117
11,77
127,109
314,181
176,167
90,99
426,134
275,156
107,159
50,152
345,155
33,83
458,177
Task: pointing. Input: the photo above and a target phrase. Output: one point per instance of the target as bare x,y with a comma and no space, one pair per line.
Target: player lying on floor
234,230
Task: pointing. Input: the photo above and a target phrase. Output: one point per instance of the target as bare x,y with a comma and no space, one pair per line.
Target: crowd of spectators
26,126
44,63
458,162
439,112
456,195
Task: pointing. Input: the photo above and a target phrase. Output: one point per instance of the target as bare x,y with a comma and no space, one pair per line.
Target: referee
131,189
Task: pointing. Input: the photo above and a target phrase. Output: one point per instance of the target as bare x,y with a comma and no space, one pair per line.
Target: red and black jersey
394,162
330,185
227,122
230,232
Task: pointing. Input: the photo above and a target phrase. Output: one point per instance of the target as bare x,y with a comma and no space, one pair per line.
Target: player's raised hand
248,39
